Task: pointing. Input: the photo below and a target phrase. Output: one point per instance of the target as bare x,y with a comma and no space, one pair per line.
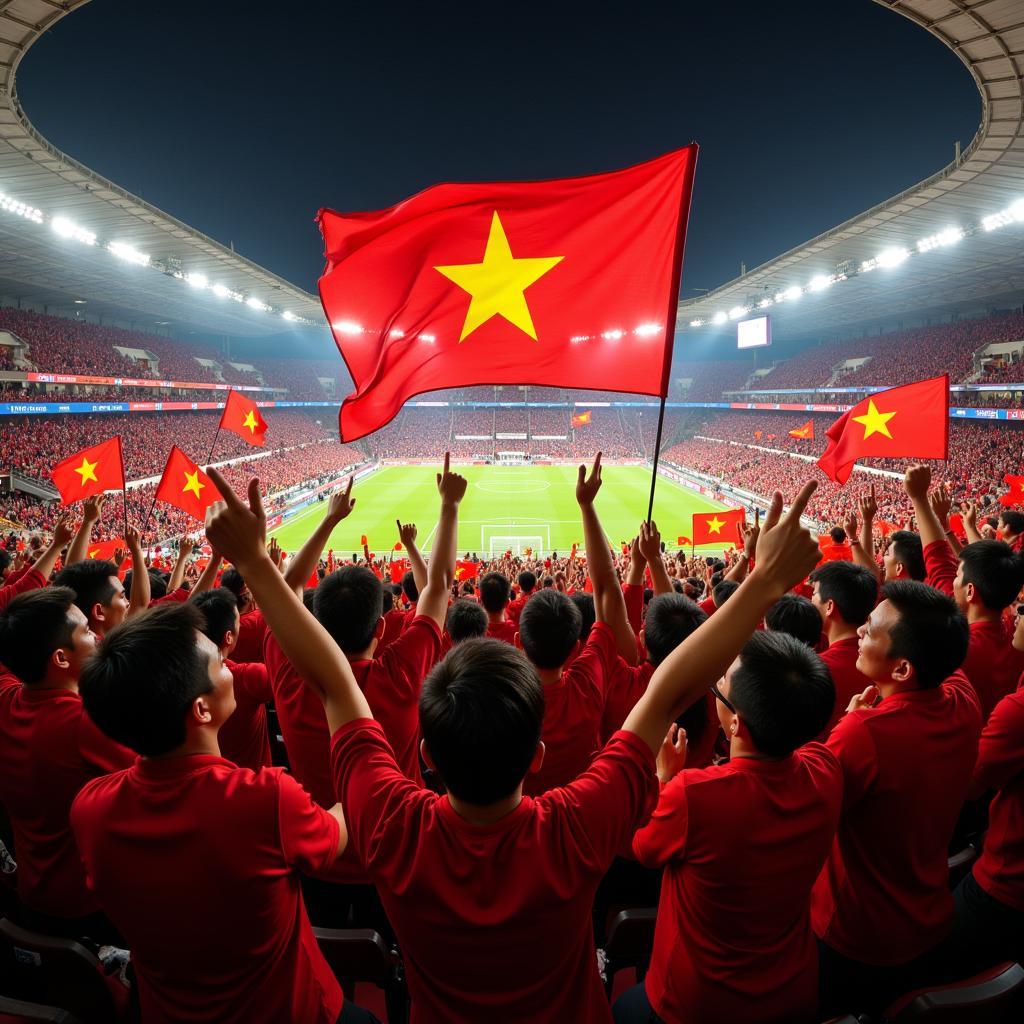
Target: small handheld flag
804,433
89,472
717,527
581,419
242,417
184,485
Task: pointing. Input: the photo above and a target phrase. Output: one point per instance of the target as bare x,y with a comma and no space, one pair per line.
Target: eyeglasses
725,700
1020,609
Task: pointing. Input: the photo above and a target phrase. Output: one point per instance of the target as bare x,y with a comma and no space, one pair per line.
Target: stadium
862,859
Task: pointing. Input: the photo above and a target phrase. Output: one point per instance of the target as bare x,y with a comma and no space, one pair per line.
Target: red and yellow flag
103,551
683,542
912,420
242,417
1015,495
465,570
758,434
569,281
581,419
91,471
718,527
804,433
184,485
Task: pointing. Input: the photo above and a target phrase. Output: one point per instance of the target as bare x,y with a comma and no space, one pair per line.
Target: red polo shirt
196,862
572,714
49,749
1000,868
503,631
841,659
741,844
883,897
494,920
243,738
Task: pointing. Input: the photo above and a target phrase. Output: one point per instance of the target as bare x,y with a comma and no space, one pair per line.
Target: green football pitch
505,507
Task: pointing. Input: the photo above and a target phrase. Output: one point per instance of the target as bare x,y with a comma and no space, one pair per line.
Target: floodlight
720,317
124,251
197,280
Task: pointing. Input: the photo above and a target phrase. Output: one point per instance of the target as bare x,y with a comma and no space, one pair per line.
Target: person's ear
378,630
517,641
971,593
830,608
60,659
425,754
96,613
538,759
199,712
643,636
903,672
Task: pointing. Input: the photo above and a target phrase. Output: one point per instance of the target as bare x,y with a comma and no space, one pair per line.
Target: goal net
498,545
499,538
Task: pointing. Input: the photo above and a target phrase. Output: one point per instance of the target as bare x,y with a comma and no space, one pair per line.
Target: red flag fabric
912,420
804,433
465,570
399,567
581,419
91,471
103,550
363,540
184,485
569,281
956,523
886,527
771,437
717,527
683,541
242,417
1015,495
758,435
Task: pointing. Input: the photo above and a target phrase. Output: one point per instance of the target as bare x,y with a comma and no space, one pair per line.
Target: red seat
58,972
361,955
14,1011
995,996
629,944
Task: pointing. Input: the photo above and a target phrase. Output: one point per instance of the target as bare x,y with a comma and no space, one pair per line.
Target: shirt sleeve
252,681
634,596
940,565
1001,753
309,835
174,597
32,580
853,746
412,654
596,662
663,838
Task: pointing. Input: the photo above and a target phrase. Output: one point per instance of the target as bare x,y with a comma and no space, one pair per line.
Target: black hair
907,548
90,580
838,534
32,627
387,600
157,583
218,607
853,588
723,591
549,627
1012,519
588,612
783,692
348,603
5,559
796,616
409,588
494,592
481,712
996,571
932,633
144,677
527,581
671,618
231,579
549,582
466,619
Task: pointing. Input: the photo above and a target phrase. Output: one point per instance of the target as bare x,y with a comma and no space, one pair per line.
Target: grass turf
535,504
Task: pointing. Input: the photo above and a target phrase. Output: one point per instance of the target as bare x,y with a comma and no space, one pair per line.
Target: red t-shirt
503,631
179,596
243,738
633,595
841,659
49,749
708,606
1000,868
196,862
494,920
626,685
31,579
573,708
394,623
883,897
741,844
515,608
252,629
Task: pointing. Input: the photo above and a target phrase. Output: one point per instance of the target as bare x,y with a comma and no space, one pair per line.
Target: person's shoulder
96,795
818,757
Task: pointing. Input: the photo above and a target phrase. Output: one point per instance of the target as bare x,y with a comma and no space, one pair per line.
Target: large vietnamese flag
912,420
91,471
718,527
568,282
184,485
242,417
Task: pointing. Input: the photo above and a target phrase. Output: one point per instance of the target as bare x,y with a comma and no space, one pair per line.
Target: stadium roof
984,268
39,263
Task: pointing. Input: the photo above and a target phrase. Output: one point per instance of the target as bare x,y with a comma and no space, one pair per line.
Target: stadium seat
963,860
361,955
59,972
630,940
14,1011
995,996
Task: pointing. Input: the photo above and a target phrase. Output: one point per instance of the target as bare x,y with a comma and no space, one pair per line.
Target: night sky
242,119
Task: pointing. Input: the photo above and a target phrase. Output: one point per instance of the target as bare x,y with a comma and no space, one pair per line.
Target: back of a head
1013,520
5,561
588,612
838,535
527,581
231,579
409,588
466,620
144,677
347,602
549,627
932,633
218,607
907,548
796,616
782,691
723,591
996,571
32,627
853,588
495,591
387,600
90,580
481,711
671,618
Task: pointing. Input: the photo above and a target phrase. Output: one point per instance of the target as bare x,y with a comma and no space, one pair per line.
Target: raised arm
650,548
300,568
92,508
185,548
239,531
916,481
749,535
970,514
637,563
48,559
941,502
433,600
140,574
208,577
407,535
609,604
863,546
785,554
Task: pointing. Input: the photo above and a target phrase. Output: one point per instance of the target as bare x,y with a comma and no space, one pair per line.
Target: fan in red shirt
1011,528
466,620
495,593
49,749
491,891
844,595
35,577
251,628
229,941
527,588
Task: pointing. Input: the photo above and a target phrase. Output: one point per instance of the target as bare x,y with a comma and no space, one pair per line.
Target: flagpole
214,445
124,486
657,455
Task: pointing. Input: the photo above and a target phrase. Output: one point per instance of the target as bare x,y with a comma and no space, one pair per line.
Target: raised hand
867,699
186,546
450,486
63,532
133,538
749,534
850,525
236,529
120,554
275,552
916,482
341,503
407,533
868,505
970,512
785,551
941,502
650,541
587,486
92,508
672,755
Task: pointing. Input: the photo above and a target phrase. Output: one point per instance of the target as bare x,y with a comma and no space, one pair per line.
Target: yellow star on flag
875,422
250,421
497,285
93,554
87,471
192,484
715,525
